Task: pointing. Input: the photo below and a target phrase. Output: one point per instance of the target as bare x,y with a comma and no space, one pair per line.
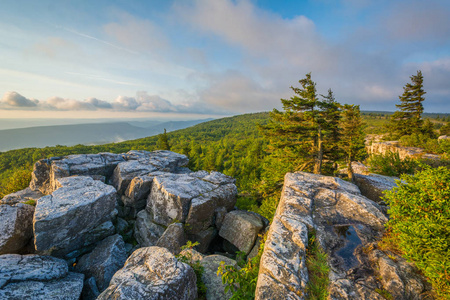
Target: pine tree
352,140
304,126
163,141
409,119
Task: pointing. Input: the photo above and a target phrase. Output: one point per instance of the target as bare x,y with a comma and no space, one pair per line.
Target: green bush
16,180
391,164
420,222
318,269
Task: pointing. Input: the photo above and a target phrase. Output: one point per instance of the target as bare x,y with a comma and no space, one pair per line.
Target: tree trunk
350,170
318,165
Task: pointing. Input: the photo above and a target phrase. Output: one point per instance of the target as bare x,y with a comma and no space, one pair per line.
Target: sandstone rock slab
16,227
64,220
152,273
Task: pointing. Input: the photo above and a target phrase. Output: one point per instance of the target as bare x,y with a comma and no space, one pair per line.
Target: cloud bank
142,102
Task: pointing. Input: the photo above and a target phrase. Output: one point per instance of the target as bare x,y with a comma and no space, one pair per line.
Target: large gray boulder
241,228
74,216
16,227
184,196
37,277
152,273
46,172
215,289
141,163
104,261
146,232
373,185
173,238
347,226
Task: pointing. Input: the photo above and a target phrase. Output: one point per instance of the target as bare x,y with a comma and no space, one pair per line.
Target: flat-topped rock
37,277
104,261
64,220
241,228
152,273
16,227
46,172
23,196
373,185
172,197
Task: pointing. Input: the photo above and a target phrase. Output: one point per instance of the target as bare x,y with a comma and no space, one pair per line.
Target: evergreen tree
352,140
304,125
163,141
409,119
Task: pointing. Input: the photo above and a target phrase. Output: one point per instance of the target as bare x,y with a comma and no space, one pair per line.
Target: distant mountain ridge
87,134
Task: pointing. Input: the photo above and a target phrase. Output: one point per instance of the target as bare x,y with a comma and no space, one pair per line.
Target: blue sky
79,59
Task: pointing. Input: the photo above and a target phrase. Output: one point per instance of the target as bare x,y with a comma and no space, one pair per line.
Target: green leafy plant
241,280
385,294
318,269
196,266
391,164
420,222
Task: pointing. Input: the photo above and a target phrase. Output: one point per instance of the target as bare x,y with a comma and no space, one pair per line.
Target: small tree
352,139
163,141
409,119
304,126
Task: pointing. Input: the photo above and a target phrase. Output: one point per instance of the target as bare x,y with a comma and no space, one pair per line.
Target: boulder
90,290
37,277
46,172
141,163
146,232
347,226
183,196
372,186
403,152
215,289
27,196
74,216
443,137
173,238
204,238
138,191
152,273
16,227
105,260
241,228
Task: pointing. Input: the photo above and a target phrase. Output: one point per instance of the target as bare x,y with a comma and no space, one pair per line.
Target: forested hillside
231,145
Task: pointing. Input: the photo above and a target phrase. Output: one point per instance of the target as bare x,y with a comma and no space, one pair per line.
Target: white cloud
14,99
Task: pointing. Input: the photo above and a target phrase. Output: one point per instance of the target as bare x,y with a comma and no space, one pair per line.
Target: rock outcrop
347,226
152,273
16,227
37,277
403,152
74,216
372,186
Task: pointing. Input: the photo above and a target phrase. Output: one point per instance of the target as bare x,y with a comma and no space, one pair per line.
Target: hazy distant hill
87,134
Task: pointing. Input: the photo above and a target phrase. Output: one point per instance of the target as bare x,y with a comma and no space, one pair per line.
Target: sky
203,58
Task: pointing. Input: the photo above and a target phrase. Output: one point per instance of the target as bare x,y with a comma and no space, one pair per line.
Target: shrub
318,269
196,266
242,280
391,164
18,179
420,221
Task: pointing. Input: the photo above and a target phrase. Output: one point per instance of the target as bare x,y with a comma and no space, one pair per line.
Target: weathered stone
90,290
37,277
241,229
282,272
126,171
47,171
138,191
443,137
372,186
16,227
105,260
146,232
172,198
215,289
121,226
403,152
219,216
68,219
67,288
23,196
173,238
204,238
152,273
